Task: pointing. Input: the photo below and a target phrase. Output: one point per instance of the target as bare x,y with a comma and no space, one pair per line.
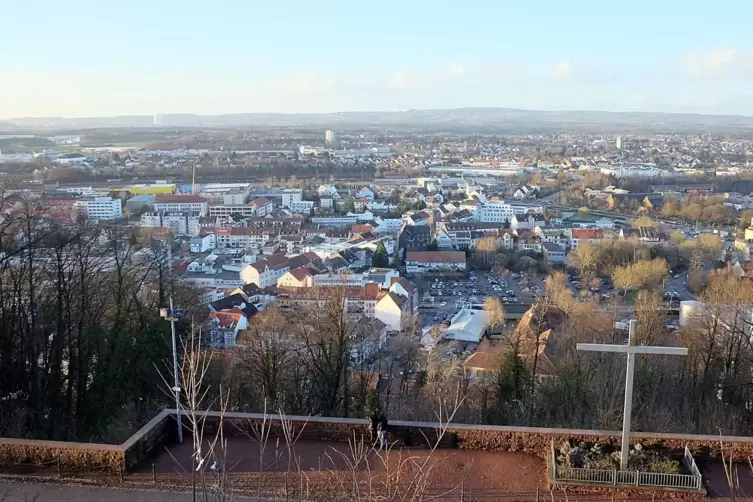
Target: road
680,286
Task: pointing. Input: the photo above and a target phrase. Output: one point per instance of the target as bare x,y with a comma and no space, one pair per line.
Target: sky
78,58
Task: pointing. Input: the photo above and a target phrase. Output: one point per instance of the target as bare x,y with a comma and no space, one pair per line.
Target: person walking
374,427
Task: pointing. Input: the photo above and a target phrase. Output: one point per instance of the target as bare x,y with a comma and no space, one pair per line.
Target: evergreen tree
380,259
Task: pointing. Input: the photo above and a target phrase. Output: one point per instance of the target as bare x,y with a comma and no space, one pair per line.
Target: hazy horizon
345,112
84,58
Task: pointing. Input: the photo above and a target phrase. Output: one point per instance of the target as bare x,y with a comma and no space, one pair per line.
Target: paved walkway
22,492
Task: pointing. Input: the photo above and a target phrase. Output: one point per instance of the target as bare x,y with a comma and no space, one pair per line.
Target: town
355,273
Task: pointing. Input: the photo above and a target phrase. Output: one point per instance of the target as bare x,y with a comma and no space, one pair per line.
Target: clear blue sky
107,57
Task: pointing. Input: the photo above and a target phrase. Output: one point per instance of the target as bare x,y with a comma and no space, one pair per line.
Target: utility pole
172,316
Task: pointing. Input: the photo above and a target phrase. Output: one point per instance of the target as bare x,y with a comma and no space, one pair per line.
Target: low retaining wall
143,445
15,453
161,430
533,440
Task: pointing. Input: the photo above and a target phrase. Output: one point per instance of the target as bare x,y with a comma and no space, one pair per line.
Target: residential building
339,280
266,272
300,277
100,208
559,236
419,262
245,237
223,211
178,223
418,218
414,238
500,211
358,301
263,206
553,252
203,243
291,196
236,196
393,310
302,206
181,204
481,365
381,276
403,287
328,191
527,221
365,192
529,242
580,235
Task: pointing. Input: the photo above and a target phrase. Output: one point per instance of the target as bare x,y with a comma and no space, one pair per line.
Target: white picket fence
691,481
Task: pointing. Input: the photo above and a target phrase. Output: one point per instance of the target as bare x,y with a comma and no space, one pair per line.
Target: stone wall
143,445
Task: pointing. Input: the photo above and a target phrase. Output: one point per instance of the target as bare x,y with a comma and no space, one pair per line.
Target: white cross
631,349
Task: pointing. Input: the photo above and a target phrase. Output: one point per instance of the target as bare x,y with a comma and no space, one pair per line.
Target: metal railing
575,475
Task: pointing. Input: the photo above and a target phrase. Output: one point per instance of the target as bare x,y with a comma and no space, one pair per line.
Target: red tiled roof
587,233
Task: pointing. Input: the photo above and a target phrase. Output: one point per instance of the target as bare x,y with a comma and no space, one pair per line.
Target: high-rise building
330,136
618,142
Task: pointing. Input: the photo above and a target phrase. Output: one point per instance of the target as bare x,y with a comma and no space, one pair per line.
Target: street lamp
173,315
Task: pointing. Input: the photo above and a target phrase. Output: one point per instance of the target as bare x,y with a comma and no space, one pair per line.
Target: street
679,285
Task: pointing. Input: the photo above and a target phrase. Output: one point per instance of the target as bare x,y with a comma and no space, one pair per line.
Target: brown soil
481,471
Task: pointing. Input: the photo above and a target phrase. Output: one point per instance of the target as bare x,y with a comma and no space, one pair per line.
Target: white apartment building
302,206
500,211
202,244
101,208
265,273
181,204
494,211
290,196
178,223
237,195
339,280
225,210
244,237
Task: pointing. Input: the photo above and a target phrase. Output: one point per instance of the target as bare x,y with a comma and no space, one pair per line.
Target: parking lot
450,294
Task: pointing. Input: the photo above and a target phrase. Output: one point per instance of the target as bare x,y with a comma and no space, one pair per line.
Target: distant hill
508,120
